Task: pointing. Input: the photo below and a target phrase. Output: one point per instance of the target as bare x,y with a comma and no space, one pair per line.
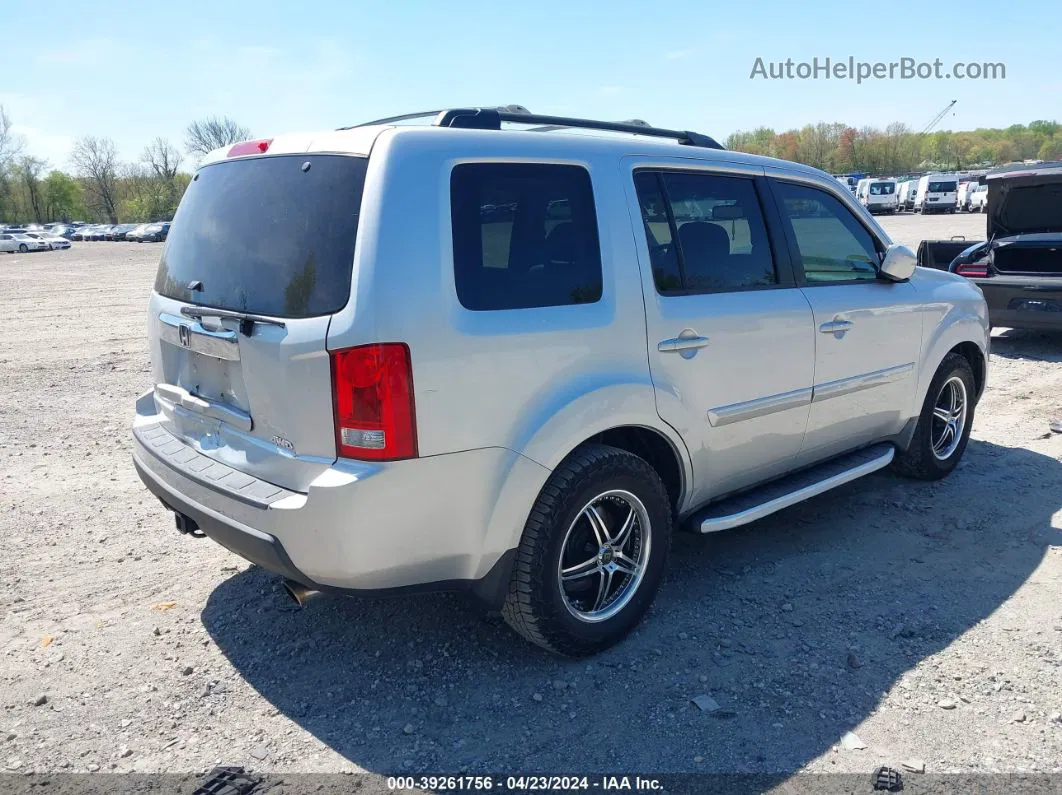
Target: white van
848,182
937,193
877,195
905,194
966,190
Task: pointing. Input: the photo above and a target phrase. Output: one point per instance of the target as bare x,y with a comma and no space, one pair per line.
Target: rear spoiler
938,254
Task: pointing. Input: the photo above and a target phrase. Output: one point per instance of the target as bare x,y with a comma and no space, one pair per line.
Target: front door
868,331
731,341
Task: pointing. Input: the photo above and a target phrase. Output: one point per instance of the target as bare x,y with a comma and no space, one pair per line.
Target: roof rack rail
424,114
492,118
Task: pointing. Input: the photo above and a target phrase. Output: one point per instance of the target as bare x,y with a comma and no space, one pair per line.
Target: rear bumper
1025,302
448,522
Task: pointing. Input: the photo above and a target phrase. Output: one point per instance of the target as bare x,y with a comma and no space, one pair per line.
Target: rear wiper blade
247,319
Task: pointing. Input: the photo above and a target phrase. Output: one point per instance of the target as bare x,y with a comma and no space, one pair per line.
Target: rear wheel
593,552
943,428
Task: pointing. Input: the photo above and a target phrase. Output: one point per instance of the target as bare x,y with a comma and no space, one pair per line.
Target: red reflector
979,269
250,147
372,394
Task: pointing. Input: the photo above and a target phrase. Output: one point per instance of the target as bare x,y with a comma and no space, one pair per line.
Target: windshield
882,189
941,187
267,235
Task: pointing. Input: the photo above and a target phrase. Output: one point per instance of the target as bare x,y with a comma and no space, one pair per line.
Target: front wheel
593,552
943,428
23,248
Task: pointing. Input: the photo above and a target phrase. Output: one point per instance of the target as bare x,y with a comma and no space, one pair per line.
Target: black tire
919,460
537,605
23,248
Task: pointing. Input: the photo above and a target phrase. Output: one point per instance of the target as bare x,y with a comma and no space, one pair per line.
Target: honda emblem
185,334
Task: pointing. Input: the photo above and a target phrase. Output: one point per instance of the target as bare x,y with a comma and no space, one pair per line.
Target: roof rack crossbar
492,118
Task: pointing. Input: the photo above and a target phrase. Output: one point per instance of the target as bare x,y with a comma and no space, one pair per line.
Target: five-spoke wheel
604,555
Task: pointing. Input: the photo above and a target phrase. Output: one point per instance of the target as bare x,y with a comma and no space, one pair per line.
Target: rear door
868,331
731,344
259,257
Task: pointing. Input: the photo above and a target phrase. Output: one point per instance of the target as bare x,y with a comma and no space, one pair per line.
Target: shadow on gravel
764,620
1040,346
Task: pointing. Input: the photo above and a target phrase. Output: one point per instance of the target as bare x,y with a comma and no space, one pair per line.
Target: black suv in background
155,233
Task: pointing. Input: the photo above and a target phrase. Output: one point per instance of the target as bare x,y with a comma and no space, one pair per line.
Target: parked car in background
135,232
937,193
1019,267
27,243
979,198
7,243
95,232
154,233
53,241
738,335
119,232
64,231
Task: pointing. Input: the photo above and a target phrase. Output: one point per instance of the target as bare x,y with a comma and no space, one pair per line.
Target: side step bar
752,505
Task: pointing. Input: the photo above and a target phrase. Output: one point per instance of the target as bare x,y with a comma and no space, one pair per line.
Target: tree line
840,148
97,184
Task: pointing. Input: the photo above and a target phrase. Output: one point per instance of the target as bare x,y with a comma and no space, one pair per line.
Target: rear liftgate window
266,235
525,235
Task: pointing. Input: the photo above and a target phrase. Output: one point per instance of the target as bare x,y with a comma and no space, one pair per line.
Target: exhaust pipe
299,592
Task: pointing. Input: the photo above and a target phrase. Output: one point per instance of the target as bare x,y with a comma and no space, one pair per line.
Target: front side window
833,245
705,232
525,235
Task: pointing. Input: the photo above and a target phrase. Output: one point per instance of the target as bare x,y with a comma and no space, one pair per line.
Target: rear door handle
679,344
835,326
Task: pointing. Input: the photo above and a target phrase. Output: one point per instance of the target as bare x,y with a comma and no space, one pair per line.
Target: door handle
679,344
835,327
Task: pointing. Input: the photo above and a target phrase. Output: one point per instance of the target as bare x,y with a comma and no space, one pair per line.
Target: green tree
62,197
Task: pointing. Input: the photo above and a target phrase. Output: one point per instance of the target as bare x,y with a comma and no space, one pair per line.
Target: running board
797,487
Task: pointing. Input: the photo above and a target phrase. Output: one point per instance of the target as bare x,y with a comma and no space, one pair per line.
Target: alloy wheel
949,418
604,556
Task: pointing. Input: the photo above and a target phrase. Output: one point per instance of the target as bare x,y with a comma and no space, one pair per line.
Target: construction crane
939,116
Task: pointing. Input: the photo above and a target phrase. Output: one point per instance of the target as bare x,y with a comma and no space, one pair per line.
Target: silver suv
464,356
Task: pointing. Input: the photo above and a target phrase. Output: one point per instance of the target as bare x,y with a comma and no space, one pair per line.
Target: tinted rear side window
525,235
269,235
705,232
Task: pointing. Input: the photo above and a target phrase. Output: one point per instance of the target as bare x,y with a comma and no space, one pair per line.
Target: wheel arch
622,415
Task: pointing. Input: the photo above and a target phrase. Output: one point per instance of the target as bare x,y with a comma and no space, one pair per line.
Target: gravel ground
925,619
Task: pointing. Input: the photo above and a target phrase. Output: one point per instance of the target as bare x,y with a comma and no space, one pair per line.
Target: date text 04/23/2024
534,783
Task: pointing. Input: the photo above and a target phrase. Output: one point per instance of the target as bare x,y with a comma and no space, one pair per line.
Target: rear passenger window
705,232
525,235
833,245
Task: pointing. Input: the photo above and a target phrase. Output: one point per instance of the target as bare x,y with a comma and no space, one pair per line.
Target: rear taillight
372,393
978,269
250,147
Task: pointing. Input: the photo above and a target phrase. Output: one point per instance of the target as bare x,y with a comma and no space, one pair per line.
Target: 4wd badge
281,442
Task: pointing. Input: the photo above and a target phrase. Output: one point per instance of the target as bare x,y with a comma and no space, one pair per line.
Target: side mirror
899,263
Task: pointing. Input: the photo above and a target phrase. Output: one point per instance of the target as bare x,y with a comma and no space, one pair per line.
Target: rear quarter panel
536,381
